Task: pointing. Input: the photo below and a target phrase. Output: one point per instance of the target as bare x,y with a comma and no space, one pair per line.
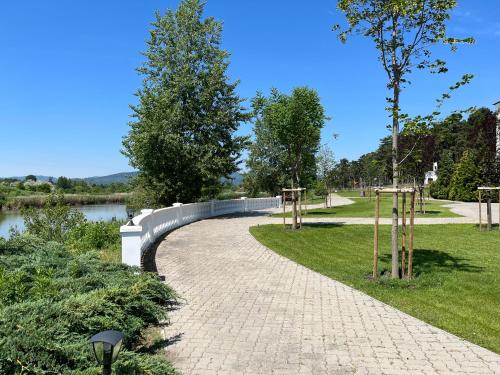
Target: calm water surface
97,212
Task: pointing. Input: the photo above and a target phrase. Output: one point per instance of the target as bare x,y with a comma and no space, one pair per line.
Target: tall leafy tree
287,138
267,156
182,137
404,32
325,172
325,165
480,136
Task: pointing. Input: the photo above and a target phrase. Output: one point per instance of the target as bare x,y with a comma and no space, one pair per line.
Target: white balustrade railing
146,228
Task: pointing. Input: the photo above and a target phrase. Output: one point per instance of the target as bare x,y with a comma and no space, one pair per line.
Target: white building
431,175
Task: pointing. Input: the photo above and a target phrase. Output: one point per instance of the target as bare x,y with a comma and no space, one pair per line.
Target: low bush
53,300
94,235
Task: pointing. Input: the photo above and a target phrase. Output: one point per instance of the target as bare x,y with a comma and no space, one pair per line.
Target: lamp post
106,346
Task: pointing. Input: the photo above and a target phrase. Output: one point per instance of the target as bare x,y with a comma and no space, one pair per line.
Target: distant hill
235,178
38,178
122,177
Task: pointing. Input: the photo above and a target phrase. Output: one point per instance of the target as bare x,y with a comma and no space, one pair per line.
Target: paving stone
249,311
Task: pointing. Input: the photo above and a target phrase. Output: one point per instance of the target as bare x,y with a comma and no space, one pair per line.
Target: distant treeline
465,149
37,201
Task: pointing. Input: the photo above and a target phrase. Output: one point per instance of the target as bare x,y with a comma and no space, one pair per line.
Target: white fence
151,224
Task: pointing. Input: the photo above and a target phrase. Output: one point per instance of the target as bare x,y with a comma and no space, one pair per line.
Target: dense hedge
52,300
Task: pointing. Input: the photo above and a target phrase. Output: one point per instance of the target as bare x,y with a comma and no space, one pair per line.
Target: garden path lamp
106,345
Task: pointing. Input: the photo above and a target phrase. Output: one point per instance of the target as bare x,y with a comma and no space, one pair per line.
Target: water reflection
105,212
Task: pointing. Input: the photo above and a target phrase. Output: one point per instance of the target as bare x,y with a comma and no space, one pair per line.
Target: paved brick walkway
251,311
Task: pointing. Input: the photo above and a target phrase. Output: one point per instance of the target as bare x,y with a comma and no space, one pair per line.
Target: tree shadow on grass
320,224
315,213
427,212
427,261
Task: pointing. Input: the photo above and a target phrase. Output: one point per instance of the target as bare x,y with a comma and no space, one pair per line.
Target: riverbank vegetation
456,285
38,201
16,195
61,282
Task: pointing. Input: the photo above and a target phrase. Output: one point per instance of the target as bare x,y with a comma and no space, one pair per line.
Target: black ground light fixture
106,345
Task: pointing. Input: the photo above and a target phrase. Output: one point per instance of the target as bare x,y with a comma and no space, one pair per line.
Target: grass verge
364,207
457,268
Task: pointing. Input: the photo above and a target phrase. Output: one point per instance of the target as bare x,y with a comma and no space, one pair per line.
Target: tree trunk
294,212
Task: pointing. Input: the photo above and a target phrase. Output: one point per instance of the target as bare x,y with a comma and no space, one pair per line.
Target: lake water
97,212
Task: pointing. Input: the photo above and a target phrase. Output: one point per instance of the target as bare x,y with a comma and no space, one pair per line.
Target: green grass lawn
364,207
348,193
457,269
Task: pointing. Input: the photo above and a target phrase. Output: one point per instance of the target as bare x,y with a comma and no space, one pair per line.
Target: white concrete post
151,226
278,201
131,244
245,204
212,207
180,221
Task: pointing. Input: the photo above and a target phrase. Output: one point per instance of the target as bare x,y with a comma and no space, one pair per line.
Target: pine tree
465,179
440,188
182,137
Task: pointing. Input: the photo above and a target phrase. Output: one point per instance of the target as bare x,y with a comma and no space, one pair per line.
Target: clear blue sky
67,74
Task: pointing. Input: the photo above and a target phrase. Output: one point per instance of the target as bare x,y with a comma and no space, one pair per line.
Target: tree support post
410,244
394,236
305,202
375,235
300,208
480,221
488,213
403,237
284,210
294,211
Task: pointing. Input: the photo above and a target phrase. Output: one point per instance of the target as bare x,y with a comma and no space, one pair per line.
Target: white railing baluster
147,227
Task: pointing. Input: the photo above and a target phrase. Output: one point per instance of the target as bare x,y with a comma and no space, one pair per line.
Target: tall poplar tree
182,137
403,31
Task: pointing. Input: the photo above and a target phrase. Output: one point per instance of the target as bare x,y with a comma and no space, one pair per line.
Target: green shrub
54,221
91,235
52,301
440,189
465,179
44,188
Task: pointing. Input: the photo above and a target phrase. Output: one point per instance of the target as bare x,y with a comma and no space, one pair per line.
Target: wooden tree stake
305,202
410,245
284,209
294,211
375,236
488,214
480,223
300,208
403,235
